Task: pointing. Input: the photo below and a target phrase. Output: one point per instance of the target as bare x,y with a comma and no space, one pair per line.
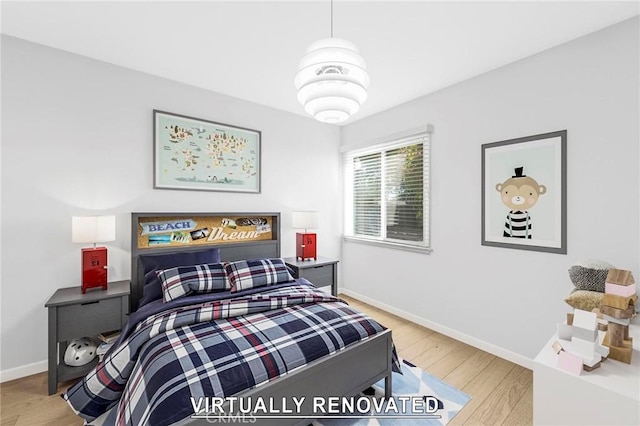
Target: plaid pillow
246,274
185,280
151,263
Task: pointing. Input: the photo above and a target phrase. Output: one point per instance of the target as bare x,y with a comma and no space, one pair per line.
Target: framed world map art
196,154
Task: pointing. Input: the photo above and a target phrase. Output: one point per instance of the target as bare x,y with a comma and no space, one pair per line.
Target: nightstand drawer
320,276
89,318
81,311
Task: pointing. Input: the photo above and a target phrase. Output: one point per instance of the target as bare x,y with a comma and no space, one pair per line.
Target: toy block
620,353
583,348
584,334
564,331
584,319
616,334
591,361
619,302
621,321
602,325
557,347
620,276
570,363
603,351
570,318
626,333
620,290
618,313
587,368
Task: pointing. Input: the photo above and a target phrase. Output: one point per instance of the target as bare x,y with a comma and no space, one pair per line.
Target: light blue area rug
411,387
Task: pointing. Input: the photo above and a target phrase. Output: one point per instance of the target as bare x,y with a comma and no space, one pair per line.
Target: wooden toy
584,334
620,290
620,277
585,320
616,334
602,324
593,367
584,348
618,313
619,302
618,307
582,330
613,317
557,347
570,363
619,353
564,331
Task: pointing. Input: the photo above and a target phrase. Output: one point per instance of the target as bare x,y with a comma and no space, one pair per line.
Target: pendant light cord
331,18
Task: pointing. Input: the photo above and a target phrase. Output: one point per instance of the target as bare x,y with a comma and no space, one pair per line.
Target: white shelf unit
609,395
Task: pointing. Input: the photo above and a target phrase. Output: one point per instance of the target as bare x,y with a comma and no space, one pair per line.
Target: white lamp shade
93,229
304,220
332,80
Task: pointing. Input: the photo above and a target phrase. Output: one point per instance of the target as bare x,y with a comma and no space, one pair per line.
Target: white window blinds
387,192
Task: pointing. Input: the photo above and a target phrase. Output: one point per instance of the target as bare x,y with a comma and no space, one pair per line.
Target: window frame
389,143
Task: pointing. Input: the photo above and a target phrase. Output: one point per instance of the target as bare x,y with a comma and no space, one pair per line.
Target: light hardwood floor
501,392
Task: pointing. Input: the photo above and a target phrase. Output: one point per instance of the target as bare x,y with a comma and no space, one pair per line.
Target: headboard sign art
237,235
194,230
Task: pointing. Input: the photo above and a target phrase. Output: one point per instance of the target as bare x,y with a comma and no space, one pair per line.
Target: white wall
512,299
77,138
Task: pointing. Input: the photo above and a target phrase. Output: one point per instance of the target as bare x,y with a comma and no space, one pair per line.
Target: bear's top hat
518,171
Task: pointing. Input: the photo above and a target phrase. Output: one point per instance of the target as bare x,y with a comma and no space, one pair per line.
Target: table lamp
305,242
93,229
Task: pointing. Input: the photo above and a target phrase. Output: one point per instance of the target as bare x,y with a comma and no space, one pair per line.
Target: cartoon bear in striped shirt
519,193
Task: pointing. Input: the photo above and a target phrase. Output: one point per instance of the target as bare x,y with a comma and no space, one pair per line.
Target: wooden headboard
237,235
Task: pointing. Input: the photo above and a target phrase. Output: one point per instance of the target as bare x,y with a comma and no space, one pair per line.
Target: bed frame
341,374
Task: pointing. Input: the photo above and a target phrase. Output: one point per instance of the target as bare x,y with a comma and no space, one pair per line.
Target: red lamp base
306,246
94,268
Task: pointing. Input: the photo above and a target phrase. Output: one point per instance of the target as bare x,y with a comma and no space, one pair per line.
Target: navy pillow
151,263
185,280
247,274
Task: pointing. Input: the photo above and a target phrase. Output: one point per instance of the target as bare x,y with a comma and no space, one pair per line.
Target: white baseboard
454,334
23,371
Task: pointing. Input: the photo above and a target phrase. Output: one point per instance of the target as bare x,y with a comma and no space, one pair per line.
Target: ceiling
250,50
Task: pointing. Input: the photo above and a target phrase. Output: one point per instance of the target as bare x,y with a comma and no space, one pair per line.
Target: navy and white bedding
209,345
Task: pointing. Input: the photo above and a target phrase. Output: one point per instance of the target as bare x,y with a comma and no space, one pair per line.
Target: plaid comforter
217,348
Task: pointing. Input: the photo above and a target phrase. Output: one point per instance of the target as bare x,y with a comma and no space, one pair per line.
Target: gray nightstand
73,315
322,272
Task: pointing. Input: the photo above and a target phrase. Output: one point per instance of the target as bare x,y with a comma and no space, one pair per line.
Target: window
387,193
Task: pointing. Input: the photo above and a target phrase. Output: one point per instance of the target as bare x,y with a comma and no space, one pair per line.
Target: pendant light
332,79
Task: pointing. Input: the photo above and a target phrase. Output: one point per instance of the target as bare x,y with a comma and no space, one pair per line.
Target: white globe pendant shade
332,81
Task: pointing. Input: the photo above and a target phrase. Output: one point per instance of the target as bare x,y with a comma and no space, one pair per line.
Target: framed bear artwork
524,193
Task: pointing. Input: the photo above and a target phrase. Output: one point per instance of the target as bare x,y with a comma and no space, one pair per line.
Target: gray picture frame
197,154
540,183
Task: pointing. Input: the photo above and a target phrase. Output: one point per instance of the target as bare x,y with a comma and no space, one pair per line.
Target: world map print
198,154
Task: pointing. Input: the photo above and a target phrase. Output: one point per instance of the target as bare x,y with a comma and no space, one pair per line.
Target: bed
281,325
